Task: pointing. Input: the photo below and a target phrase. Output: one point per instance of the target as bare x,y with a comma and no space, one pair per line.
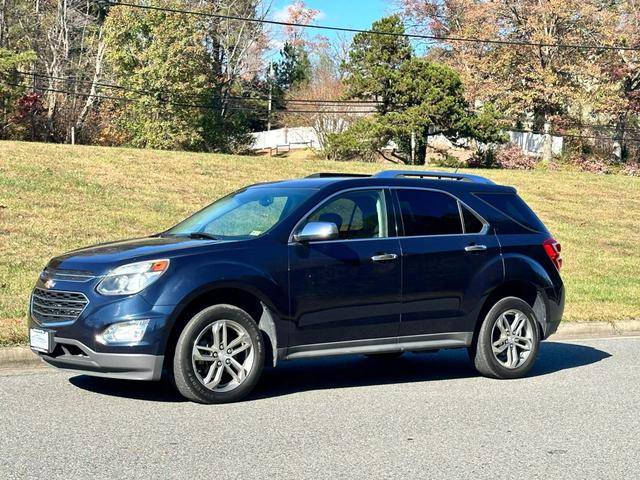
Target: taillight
553,249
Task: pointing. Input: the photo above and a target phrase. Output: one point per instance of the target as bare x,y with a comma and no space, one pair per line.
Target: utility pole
413,148
270,96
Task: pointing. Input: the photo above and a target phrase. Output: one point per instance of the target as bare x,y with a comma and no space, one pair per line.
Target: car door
448,254
347,289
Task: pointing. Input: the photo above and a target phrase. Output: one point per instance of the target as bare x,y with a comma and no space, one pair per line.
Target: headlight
132,278
124,332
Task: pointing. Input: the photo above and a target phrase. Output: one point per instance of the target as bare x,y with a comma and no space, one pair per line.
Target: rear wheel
219,356
508,341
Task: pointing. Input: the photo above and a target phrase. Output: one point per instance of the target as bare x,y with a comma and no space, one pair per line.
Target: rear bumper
73,355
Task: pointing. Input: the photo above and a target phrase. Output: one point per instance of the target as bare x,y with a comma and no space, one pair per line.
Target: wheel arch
256,304
526,290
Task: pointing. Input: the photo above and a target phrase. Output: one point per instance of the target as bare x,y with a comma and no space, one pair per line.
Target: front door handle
384,257
475,248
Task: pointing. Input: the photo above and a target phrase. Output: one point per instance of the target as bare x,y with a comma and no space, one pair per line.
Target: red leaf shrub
590,163
631,169
512,157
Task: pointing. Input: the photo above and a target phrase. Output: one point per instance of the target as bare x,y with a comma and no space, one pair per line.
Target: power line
440,38
158,92
298,111
184,104
320,102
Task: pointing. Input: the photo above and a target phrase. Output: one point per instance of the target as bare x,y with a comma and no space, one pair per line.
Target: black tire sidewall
184,374
485,361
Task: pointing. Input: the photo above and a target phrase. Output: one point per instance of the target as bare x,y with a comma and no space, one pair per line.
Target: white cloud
282,14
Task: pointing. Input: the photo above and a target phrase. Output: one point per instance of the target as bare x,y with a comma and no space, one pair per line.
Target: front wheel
219,356
508,341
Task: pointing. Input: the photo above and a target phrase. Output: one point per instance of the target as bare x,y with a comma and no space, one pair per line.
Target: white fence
306,137
294,138
533,143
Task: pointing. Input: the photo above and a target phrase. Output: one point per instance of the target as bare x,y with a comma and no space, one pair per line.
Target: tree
535,83
298,13
293,69
429,100
374,61
10,89
182,74
418,98
617,97
161,60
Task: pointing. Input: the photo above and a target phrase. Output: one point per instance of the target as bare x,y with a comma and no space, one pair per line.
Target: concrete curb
12,358
597,329
18,357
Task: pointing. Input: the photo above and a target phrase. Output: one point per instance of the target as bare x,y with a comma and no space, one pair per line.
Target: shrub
447,160
589,163
510,157
357,142
483,159
631,169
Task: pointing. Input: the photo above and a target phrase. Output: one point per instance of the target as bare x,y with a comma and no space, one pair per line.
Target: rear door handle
384,257
475,248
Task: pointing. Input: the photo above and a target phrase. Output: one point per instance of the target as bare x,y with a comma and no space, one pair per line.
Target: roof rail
463,177
331,175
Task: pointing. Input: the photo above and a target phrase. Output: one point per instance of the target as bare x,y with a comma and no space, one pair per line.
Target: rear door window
426,212
513,207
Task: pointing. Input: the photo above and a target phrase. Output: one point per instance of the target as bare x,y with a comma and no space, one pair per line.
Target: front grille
49,306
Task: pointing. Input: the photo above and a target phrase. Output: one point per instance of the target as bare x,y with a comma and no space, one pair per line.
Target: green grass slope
54,198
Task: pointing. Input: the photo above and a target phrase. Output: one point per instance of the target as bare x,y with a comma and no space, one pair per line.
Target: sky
338,13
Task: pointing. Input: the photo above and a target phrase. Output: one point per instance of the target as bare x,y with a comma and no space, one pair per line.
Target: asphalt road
421,416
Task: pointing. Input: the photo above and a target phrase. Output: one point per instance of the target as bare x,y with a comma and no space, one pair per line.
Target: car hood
99,259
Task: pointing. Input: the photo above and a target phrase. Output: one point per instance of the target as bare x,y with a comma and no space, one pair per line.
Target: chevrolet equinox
332,264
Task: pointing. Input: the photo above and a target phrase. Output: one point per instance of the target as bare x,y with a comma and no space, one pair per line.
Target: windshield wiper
203,235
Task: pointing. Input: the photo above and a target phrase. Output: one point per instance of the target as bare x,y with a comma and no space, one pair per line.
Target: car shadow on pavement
353,371
339,372
149,391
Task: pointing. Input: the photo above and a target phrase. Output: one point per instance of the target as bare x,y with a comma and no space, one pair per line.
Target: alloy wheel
223,355
512,338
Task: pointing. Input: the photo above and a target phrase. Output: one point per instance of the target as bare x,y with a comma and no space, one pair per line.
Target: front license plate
41,340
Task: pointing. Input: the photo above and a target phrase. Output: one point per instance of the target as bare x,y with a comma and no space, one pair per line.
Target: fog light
124,332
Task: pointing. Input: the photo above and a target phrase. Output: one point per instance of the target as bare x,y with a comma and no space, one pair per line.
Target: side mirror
317,231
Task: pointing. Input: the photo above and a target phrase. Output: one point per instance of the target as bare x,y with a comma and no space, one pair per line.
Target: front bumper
75,356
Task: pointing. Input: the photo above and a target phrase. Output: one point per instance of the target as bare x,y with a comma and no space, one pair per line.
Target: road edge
18,357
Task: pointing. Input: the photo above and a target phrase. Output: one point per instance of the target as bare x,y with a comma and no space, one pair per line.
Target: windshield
244,214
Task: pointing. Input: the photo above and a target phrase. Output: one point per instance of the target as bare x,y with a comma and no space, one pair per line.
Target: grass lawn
54,198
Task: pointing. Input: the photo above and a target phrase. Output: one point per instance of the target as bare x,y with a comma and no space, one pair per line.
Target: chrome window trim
397,215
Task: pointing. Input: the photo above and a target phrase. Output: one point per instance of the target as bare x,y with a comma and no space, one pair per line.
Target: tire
384,356
191,371
494,330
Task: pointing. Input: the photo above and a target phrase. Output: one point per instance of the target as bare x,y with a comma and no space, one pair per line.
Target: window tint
472,224
357,214
428,213
513,206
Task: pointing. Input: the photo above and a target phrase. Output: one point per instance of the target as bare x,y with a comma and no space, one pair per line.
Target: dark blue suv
326,265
